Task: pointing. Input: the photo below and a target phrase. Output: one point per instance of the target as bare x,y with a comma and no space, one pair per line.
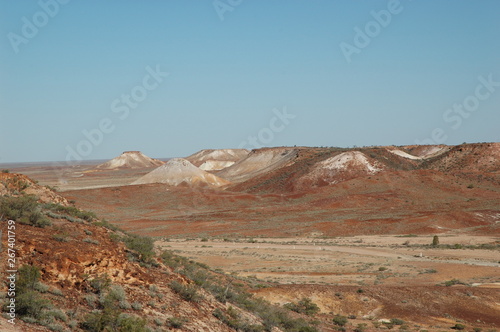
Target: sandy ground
353,260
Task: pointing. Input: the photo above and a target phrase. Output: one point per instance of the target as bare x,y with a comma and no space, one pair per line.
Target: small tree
435,241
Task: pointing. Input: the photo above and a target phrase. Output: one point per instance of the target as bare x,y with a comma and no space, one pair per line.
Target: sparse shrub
142,245
187,292
54,189
55,327
171,260
71,211
453,282
42,288
136,306
125,305
115,237
5,171
88,232
177,322
30,303
90,240
100,283
382,268
60,237
24,209
91,300
27,279
361,327
58,314
55,291
459,327
435,241
29,320
397,321
109,317
128,323
304,306
340,320
117,293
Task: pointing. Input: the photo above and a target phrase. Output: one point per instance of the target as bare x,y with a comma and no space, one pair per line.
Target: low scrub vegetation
304,306
187,292
69,211
340,320
24,209
142,246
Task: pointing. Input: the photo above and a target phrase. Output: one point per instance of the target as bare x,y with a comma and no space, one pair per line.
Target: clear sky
90,79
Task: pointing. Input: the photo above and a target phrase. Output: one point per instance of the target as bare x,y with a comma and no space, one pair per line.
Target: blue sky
275,71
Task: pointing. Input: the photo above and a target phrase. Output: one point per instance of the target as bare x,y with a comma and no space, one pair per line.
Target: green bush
100,283
459,327
24,209
27,278
142,245
171,260
58,314
304,306
397,321
453,282
106,224
70,211
177,322
340,320
232,320
435,241
187,292
128,323
30,303
136,306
